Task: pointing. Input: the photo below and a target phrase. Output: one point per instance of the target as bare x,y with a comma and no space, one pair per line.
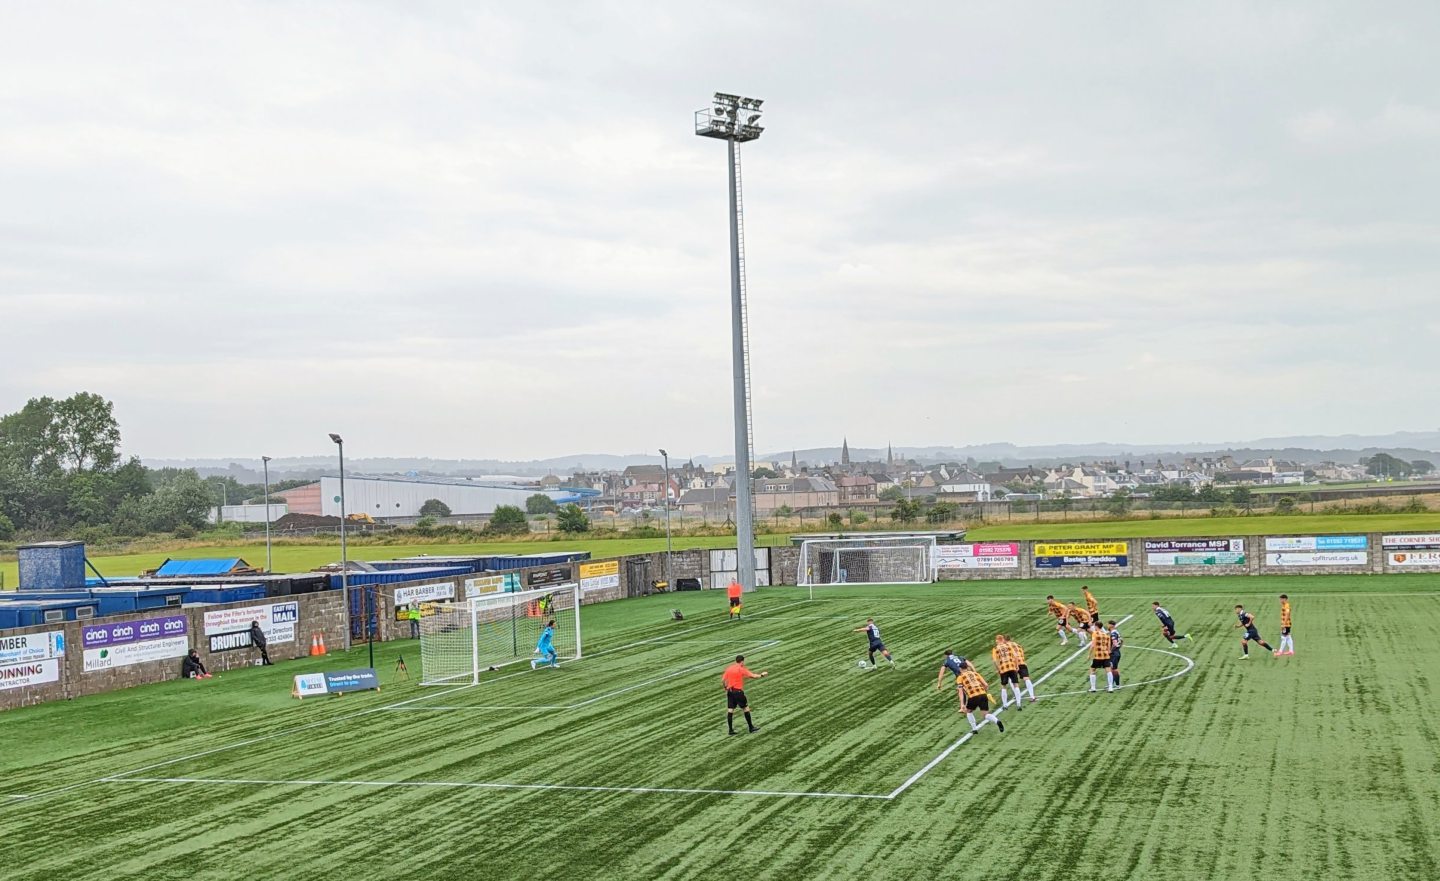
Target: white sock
971,719
1109,681
1092,681
1030,689
1016,687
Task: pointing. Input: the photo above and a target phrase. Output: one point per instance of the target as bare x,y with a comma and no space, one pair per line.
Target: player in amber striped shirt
1023,669
1082,617
1007,664
1062,622
1287,642
974,695
1091,604
1100,657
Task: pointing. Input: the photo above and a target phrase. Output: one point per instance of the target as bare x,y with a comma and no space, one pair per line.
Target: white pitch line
1189,665
528,786
915,778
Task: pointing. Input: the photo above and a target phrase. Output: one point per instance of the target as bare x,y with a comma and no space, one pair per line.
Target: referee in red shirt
734,681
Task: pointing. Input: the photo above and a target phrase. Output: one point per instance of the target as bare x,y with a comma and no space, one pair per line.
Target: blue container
475,563
52,565
395,576
119,600
225,593
47,595
502,564
26,613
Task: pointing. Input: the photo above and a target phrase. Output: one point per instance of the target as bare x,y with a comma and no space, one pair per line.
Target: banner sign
402,613
484,584
32,647
553,575
134,642
229,629
442,590
1418,559
338,682
1195,552
978,555
1318,543
598,576
1430,540
1066,554
1319,558
29,673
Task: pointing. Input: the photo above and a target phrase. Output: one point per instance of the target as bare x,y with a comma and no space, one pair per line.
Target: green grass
1322,765
1304,524
303,558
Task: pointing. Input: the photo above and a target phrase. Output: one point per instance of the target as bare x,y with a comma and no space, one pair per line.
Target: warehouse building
385,497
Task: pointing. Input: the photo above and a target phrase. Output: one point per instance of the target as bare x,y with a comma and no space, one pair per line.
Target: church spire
794,463
889,454
845,451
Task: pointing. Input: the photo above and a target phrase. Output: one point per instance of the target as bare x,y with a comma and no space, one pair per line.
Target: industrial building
384,497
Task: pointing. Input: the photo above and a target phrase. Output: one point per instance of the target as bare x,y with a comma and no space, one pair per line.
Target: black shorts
1253,635
1009,677
978,702
1098,664
1115,659
1024,671
735,699
1062,622
1284,631
734,601
877,646
1168,626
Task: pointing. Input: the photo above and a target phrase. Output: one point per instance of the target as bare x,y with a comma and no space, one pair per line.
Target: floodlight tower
734,119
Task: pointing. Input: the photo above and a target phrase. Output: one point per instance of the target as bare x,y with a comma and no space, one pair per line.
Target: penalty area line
965,738
1189,665
444,784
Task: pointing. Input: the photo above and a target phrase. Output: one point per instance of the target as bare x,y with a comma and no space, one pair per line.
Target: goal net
901,560
491,630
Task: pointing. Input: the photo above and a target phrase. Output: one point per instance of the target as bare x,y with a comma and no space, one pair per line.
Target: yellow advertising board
599,570
1081,548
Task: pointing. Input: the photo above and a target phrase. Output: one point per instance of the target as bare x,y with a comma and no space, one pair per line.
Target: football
862,665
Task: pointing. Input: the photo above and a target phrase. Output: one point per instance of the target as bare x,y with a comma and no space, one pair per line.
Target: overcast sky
488,230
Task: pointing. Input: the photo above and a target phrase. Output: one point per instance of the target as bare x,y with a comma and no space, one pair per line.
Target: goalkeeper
545,648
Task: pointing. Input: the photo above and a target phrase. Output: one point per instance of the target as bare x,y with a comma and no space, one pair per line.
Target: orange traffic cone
314,644
321,637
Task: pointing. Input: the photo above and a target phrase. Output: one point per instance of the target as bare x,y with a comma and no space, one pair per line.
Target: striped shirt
1056,607
1090,602
1285,614
1100,645
1079,614
1019,652
972,683
1004,658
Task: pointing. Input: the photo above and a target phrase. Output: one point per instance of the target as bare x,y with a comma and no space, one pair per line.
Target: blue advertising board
336,682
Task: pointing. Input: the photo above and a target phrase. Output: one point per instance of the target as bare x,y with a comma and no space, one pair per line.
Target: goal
487,631
874,560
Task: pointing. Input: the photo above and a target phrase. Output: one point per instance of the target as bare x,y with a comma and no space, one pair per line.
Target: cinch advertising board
978,555
229,629
1195,552
598,576
134,642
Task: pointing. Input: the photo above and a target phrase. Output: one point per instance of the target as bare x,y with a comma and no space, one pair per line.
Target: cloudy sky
487,230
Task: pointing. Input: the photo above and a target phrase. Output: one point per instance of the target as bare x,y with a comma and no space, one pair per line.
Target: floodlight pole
344,553
666,456
265,463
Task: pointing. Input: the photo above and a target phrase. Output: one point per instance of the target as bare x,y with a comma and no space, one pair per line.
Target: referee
734,681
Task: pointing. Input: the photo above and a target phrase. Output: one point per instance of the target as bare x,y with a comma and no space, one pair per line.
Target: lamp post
734,119
666,457
265,464
344,554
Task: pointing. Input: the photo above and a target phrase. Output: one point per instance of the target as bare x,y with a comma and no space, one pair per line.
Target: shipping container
29,613
395,576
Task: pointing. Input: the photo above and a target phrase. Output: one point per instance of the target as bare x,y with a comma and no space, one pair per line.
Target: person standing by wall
257,639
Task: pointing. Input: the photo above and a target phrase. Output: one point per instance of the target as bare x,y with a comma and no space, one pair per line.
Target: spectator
257,639
193,668
413,613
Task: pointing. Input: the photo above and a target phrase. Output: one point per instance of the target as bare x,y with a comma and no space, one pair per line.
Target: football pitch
1324,764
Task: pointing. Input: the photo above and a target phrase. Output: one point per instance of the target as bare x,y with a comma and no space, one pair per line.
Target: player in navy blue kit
872,633
1167,624
1252,634
952,664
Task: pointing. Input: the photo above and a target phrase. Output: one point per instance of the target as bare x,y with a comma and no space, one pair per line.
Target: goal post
906,559
461,639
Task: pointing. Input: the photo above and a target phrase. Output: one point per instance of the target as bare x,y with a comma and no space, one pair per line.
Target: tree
507,520
892,494
765,473
1210,494
540,504
1240,496
941,512
1119,503
572,519
1386,465
1422,466
434,508
905,511
834,520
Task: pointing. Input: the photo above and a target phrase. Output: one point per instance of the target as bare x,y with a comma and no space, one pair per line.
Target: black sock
1245,648
1117,680
749,721
730,721
1266,646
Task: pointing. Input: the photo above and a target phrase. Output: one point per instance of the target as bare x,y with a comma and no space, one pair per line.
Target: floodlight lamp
727,99
756,102
663,453
264,458
336,438
754,118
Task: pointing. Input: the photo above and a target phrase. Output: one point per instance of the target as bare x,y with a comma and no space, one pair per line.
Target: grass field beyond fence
617,766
